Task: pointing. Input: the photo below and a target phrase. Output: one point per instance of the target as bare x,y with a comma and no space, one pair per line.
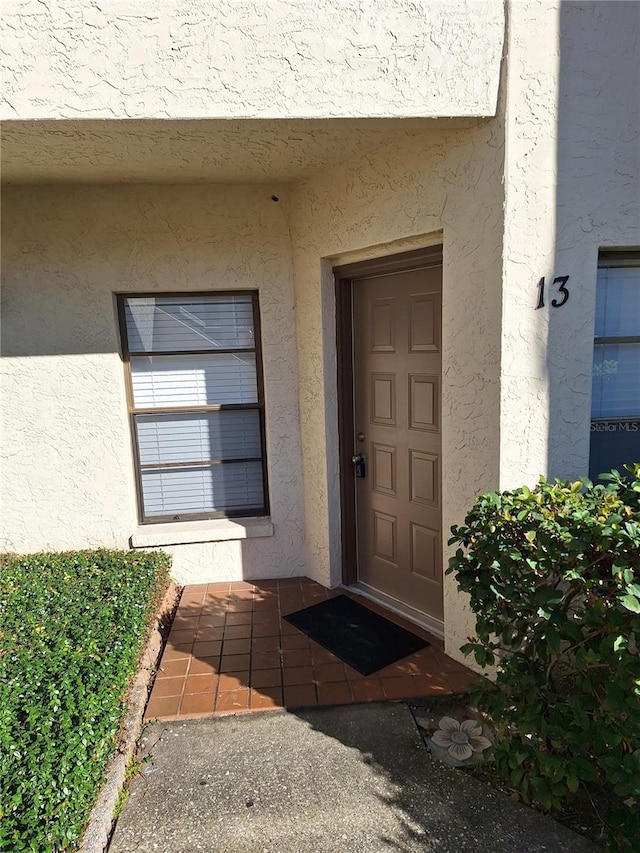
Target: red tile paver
230,681
182,637
234,663
168,687
266,644
238,632
295,641
231,651
174,667
162,707
171,653
367,690
402,687
240,605
265,604
265,660
329,672
335,693
204,666
235,647
238,619
432,684
296,657
266,698
300,696
201,683
211,620
207,649
270,628
460,682
321,655
297,675
266,678
197,703
185,623
234,701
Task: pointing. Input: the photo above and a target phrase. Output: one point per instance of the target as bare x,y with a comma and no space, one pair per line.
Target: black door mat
355,634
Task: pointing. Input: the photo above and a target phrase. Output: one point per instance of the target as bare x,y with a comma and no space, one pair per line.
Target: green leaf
75,625
630,602
584,769
619,643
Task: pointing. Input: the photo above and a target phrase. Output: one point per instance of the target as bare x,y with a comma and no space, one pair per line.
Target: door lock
359,463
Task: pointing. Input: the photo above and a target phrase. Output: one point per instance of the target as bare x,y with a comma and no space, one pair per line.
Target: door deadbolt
359,463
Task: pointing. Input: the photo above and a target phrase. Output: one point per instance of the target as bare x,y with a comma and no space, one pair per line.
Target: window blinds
211,489
198,437
616,381
162,381
185,323
615,407
616,365
196,404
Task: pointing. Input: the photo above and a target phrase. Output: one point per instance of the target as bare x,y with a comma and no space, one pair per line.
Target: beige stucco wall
250,58
572,175
536,191
444,187
67,467
517,382
67,249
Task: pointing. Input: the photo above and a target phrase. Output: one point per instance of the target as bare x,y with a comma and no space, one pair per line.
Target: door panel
397,379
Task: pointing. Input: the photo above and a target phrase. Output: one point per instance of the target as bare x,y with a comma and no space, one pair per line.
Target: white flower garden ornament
461,740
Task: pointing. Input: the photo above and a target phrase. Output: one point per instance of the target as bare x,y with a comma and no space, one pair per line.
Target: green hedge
72,630
553,576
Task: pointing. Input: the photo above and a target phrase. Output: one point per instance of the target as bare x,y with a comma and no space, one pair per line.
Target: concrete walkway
350,778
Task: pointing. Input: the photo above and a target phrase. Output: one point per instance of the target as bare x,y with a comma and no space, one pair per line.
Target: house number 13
561,281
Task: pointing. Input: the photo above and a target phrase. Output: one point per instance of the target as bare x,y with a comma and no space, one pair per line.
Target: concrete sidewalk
355,778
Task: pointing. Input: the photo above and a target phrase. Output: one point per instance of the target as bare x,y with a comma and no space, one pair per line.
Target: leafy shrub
554,580
73,627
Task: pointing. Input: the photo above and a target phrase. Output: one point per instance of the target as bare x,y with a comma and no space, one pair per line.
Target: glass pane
193,380
198,438
234,486
616,381
178,323
612,446
618,302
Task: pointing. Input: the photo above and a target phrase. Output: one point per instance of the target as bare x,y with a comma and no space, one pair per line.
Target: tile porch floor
229,651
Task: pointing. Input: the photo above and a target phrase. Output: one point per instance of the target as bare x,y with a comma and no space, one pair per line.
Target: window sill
193,532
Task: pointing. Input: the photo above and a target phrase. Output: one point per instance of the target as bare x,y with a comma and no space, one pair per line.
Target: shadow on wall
597,164
65,317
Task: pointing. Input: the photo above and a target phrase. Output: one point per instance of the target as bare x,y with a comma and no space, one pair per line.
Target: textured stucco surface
250,58
67,467
68,249
534,192
573,176
193,151
446,188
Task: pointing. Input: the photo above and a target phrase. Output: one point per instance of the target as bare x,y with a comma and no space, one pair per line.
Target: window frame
133,411
614,259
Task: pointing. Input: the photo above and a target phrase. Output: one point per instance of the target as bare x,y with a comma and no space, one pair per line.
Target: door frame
344,276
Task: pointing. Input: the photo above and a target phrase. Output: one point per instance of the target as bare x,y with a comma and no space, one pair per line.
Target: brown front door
397,379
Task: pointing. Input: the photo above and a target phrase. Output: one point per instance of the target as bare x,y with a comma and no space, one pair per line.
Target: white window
615,405
196,404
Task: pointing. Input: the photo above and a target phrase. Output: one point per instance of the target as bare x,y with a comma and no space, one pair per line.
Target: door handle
359,463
